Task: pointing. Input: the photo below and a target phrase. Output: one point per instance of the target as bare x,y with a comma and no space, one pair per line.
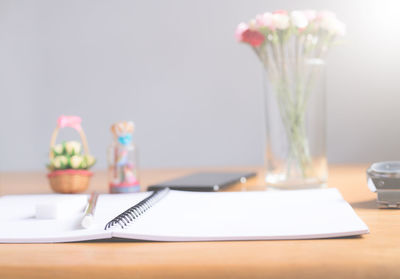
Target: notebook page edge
81,237
162,238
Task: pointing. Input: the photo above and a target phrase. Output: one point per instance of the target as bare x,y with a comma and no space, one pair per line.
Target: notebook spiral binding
135,211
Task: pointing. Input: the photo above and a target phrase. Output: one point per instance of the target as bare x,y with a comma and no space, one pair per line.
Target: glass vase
295,155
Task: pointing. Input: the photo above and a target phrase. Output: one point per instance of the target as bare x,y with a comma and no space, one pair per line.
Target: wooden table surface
376,255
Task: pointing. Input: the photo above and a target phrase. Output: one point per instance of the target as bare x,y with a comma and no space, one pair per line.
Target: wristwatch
384,179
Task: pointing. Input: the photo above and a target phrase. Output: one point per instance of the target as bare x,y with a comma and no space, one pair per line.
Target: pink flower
280,12
242,27
247,35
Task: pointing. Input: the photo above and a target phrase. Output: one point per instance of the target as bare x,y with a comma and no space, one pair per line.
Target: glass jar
123,160
295,154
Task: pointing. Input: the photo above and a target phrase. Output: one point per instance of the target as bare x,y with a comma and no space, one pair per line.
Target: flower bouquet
69,168
291,47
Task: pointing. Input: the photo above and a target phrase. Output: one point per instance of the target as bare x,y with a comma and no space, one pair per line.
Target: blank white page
196,216
19,224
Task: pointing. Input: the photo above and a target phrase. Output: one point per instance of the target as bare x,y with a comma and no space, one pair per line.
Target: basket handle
72,122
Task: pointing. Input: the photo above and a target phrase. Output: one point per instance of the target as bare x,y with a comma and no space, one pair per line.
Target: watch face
385,168
384,176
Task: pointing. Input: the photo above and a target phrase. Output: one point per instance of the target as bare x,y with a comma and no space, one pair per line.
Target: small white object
59,209
47,210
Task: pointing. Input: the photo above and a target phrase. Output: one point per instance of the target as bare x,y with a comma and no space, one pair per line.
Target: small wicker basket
69,181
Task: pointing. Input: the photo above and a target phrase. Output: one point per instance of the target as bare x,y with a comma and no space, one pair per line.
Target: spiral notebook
186,216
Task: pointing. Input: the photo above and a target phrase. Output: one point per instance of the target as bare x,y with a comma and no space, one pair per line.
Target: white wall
175,69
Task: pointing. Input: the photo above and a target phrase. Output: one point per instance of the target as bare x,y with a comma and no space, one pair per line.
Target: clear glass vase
295,155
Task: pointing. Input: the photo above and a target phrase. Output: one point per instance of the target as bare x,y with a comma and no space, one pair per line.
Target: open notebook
189,216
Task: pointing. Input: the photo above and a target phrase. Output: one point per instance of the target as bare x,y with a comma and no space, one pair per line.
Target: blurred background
175,69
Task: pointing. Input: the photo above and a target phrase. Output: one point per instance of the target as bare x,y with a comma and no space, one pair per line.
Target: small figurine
122,158
69,169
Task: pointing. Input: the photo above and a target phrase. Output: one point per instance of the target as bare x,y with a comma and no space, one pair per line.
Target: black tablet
204,181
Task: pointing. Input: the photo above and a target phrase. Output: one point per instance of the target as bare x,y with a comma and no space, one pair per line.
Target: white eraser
47,210
60,209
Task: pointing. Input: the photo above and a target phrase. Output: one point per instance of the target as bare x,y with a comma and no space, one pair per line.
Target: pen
88,218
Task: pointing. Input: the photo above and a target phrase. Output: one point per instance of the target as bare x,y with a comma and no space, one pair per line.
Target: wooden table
376,255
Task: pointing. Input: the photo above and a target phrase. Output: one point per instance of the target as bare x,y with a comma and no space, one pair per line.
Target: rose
253,37
247,35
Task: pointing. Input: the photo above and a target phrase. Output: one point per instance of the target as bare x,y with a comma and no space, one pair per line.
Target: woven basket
69,181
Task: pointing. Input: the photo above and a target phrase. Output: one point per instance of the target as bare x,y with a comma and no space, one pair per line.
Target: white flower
280,21
73,147
58,149
252,24
75,161
330,23
299,19
90,160
60,162
264,20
